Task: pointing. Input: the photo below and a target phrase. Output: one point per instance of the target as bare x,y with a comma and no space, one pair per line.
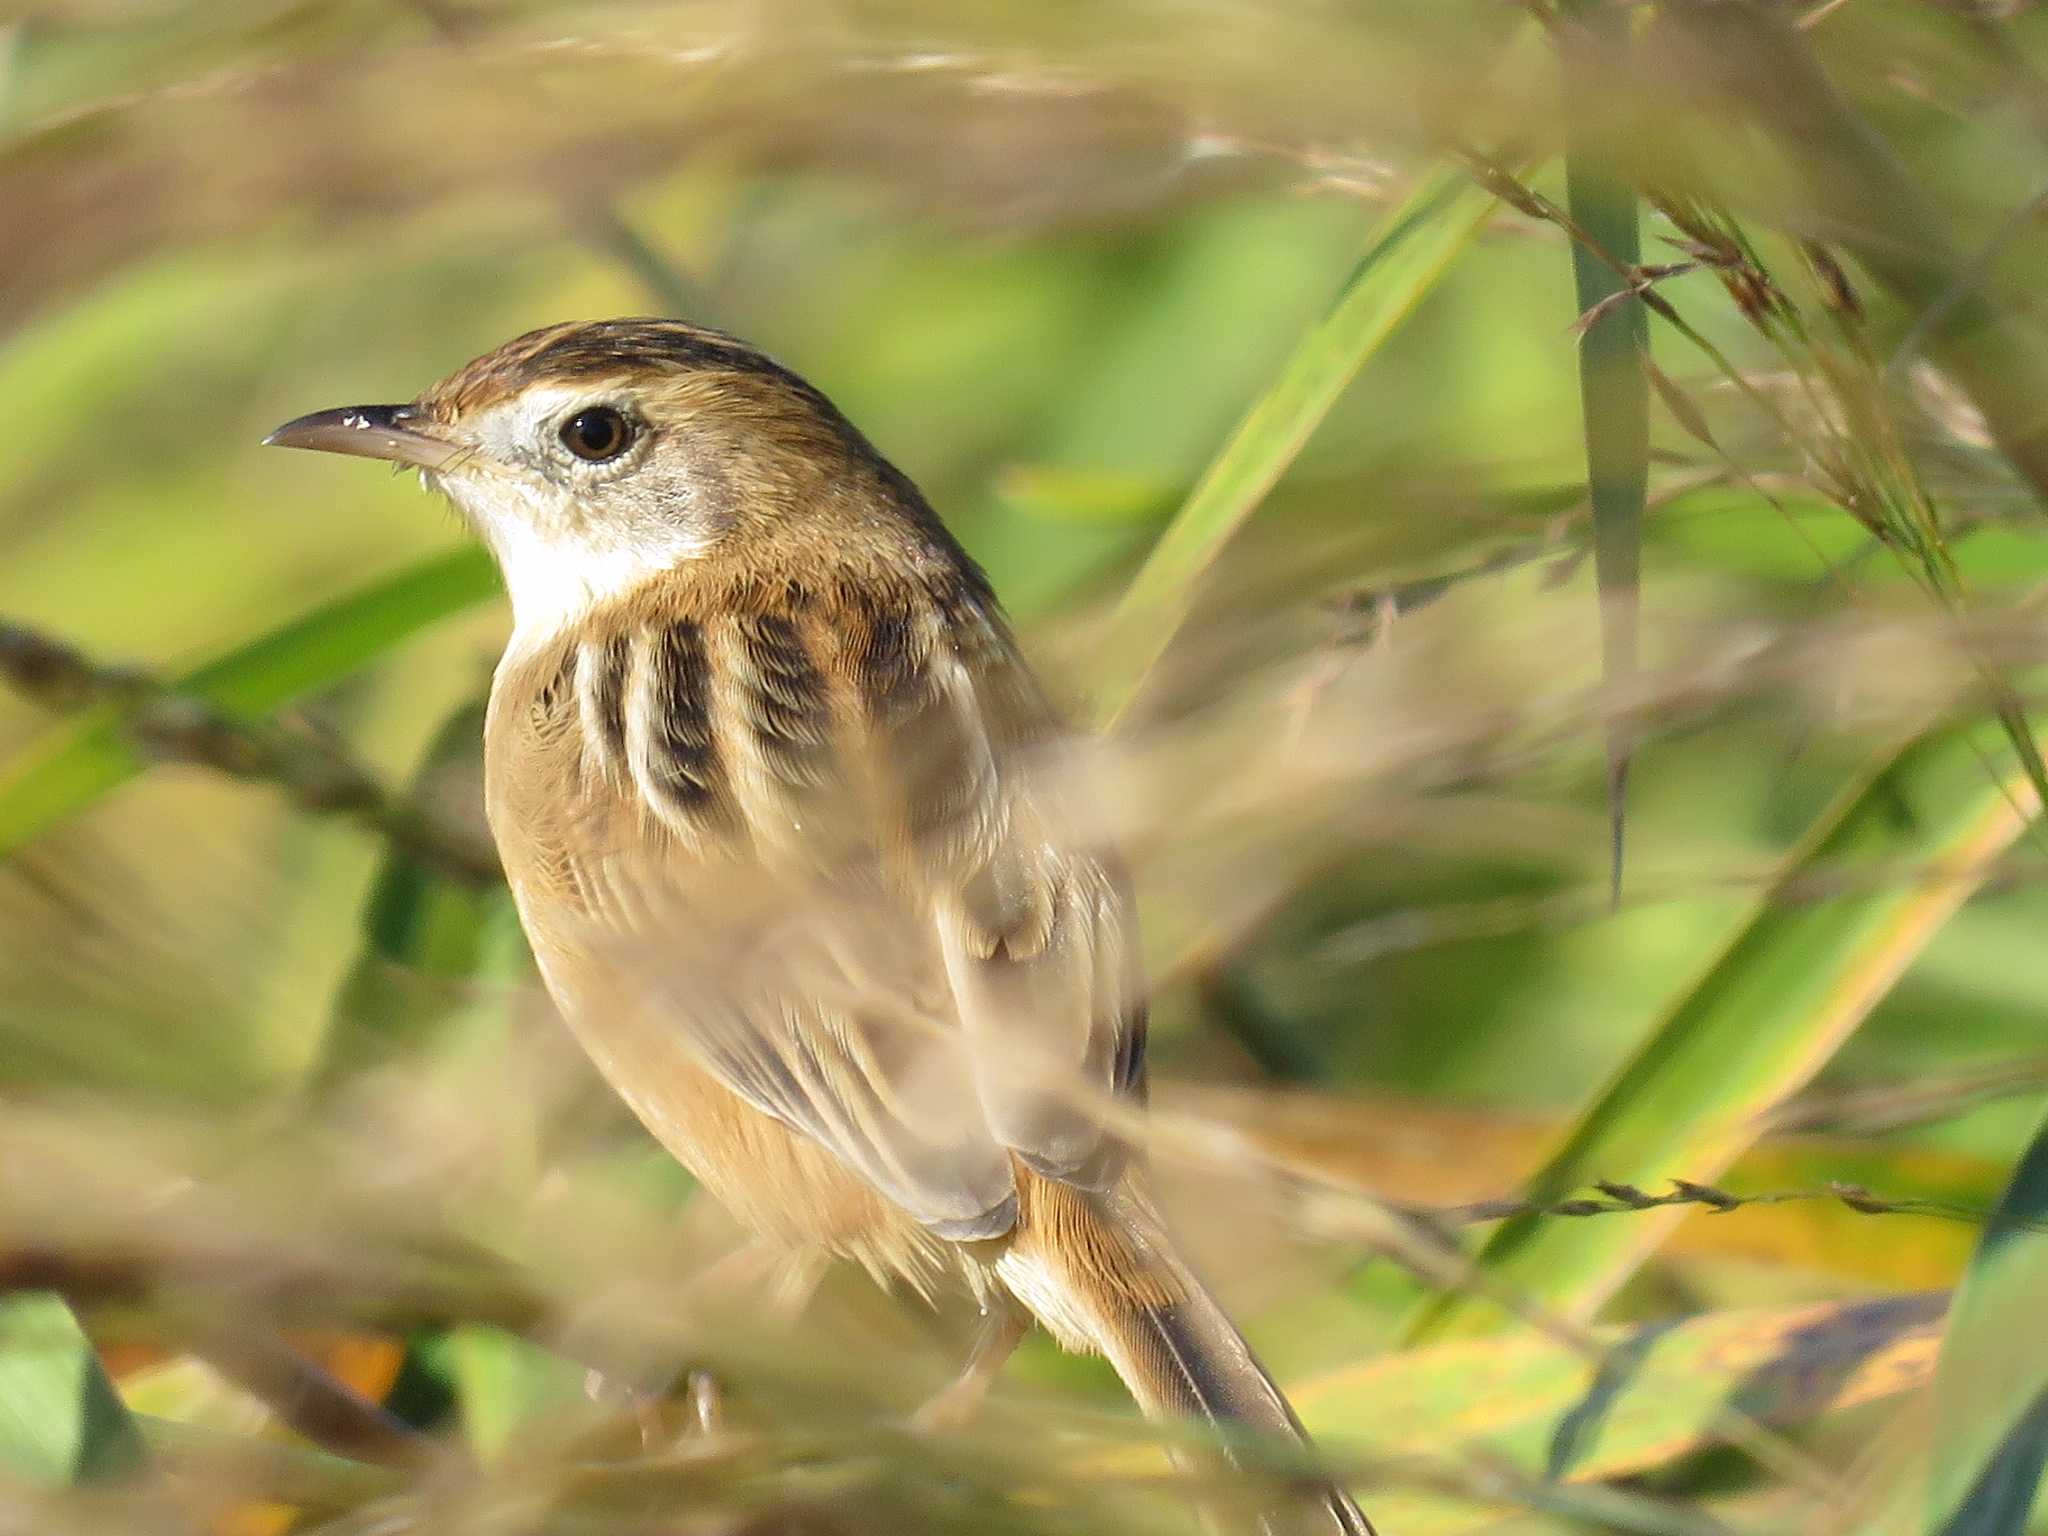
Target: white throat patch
554,575
554,582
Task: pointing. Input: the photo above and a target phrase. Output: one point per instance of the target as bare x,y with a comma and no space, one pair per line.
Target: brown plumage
764,765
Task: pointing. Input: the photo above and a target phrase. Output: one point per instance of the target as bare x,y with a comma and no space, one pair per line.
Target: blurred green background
1049,257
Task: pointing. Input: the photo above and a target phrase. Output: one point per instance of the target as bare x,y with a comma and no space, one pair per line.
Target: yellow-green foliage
1252,348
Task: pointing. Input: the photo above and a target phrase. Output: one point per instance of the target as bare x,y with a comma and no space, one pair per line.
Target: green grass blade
1404,261
1614,389
1991,1386
504,1382
304,1476
1661,1393
73,766
1879,873
60,1420
428,939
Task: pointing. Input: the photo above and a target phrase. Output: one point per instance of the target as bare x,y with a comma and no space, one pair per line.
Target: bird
774,789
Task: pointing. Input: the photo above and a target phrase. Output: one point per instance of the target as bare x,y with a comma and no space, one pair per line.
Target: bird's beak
402,434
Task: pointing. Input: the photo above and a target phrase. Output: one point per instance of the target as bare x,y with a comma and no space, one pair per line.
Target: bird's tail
1119,1287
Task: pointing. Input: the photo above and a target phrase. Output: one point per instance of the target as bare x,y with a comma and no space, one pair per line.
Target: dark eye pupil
598,433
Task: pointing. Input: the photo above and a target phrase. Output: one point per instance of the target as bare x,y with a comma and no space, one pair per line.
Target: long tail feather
1176,1350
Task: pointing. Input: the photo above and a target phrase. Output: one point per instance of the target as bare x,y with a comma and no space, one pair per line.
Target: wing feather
952,988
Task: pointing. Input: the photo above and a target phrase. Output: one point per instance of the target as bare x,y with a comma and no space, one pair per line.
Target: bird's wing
914,965
1035,924
822,1009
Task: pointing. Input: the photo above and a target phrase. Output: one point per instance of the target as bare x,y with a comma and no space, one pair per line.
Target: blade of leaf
1542,1418
427,939
1441,1156
74,765
1403,262
60,1419
1545,1407
307,1478
1878,874
1613,390
1991,1385
503,1381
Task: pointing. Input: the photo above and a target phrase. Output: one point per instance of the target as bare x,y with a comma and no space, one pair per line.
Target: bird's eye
597,433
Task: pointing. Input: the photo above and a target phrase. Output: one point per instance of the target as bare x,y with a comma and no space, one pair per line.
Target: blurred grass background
1260,317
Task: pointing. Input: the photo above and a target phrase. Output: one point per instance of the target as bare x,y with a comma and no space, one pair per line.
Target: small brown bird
766,770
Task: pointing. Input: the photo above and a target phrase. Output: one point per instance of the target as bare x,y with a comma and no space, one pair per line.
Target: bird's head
593,457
